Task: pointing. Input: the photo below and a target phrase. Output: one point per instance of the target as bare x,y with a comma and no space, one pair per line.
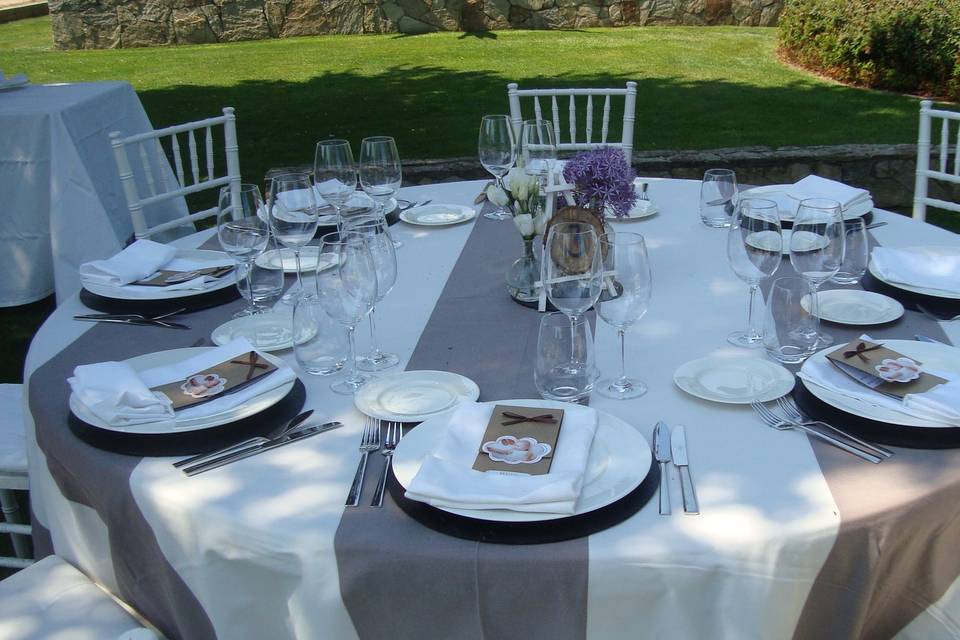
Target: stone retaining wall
97,24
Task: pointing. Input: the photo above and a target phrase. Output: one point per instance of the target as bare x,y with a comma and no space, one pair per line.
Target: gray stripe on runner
447,587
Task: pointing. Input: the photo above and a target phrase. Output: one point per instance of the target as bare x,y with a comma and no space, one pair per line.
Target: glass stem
815,308
752,332
623,358
249,267
296,255
351,362
573,339
375,353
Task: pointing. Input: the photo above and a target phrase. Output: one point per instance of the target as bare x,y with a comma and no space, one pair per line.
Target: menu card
519,440
217,381
165,278
883,370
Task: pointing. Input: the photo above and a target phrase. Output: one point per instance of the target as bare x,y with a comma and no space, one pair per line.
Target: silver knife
661,451
281,441
678,447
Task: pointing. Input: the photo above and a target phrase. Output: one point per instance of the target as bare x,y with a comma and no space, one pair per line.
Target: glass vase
523,274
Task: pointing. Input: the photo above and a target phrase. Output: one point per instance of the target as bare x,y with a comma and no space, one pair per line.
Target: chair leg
11,513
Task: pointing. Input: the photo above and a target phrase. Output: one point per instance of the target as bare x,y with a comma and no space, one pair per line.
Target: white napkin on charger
903,266
940,404
142,259
119,396
817,187
447,479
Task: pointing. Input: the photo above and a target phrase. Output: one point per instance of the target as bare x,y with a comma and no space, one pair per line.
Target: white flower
497,196
524,223
519,183
540,223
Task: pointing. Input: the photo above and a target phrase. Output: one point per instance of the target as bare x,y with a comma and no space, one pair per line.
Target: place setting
923,278
854,202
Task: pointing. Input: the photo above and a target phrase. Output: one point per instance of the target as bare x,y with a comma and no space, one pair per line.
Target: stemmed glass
754,244
380,171
538,148
347,293
374,231
293,216
624,300
243,234
497,148
816,251
334,172
572,273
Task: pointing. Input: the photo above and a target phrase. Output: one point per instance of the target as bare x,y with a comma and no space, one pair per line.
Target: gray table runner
446,587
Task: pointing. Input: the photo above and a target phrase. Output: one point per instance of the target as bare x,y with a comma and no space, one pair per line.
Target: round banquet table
794,539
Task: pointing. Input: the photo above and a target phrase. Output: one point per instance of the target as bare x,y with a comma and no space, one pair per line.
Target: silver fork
775,421
390,442
643,192
934,316
369,442
793,412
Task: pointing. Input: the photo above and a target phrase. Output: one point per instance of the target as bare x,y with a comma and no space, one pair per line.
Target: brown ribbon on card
252,361
516,418
860,350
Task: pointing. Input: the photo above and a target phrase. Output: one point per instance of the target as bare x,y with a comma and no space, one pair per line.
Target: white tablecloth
263,529
62,201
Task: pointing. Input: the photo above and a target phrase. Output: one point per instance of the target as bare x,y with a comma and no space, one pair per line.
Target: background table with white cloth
254,541
62,200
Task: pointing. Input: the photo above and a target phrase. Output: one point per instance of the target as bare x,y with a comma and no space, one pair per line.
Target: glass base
824,340
377,361
246,311
716,223
745,339
621,388
323,370
498,214
349,387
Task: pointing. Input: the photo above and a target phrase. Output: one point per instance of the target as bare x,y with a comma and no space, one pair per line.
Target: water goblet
624,300
497,148
243,235
380,171
754,244
538,149
717,193
559,342
319,341
334,172
786,327
816,250
856,252
293,216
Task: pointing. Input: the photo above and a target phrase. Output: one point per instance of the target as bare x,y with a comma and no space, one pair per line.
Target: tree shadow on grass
434,112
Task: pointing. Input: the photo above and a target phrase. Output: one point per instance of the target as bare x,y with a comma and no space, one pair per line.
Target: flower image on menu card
882,369
216,381
519,440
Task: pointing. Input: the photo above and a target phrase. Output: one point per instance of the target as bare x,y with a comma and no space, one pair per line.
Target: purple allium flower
603,178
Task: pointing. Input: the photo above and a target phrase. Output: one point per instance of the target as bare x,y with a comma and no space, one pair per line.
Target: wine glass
538,148
754,244
293,217
334,172
816,251
347,293
242,233
623,300
497,148
380,171
856,252
571,272
374,231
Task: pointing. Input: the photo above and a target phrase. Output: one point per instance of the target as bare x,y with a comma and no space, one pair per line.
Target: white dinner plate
933,357
265,331
310,259
140,292
619,460
411,396
932,253
856,210
163,358
853,306
735,380
437,215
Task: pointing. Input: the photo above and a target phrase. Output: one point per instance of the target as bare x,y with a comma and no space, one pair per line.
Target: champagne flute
380,171
347,293
293,217
538,149
242,233
334,172
624,301
754,244
497,148
572,273
816,251
374,231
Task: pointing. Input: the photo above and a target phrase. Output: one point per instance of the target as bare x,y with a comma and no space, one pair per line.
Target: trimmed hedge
903,45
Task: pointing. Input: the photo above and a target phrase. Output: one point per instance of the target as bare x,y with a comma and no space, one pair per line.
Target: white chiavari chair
144,160
565,101
945,169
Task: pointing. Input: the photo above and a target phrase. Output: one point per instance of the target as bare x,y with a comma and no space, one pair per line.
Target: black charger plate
948,307
203,300
183,443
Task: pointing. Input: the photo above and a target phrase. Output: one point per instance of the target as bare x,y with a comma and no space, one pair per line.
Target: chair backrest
144,156
946,170
576,142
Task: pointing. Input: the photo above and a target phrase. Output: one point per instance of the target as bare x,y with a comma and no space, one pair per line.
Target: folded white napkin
136,262
817,187
940,404
119,396
447,479
905,266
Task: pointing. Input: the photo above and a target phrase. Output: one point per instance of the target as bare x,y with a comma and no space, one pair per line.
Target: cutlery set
370,442
135,319
672,447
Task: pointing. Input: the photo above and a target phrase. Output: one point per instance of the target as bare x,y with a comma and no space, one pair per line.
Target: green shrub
904,45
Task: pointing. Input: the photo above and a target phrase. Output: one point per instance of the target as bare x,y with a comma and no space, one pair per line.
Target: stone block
413,26
519,17
533,5
191,26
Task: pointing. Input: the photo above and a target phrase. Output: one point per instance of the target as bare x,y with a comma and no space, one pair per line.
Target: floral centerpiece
603,182
521,193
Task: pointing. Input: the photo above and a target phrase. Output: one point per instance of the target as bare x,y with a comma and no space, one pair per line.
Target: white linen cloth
120,396
136,262
447,479
817,187
904,266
